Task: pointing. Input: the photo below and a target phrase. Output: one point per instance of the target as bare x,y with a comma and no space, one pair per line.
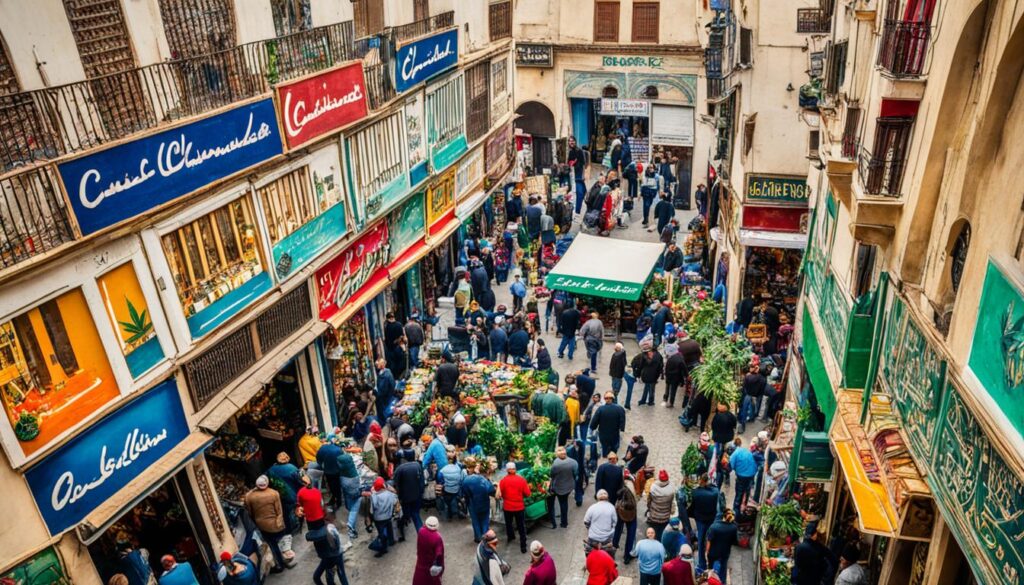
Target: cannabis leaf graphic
139,326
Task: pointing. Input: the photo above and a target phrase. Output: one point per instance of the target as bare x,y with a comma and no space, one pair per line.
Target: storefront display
131,318
43,567
773,275
216,264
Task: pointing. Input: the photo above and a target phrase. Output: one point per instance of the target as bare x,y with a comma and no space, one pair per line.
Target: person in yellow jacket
309,444
572,410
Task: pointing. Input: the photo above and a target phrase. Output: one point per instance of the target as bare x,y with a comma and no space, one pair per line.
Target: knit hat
262,482
762,435
225,556
375,428
685,551
431,523
673,521
662,475
378,484
490,536
777,468
458,418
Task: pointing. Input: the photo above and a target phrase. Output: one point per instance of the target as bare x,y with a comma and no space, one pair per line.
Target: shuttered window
291,16
8,80
445,111
606,22
499,18
378,153
420,9
288,203
645,22
477,100
369,17
197,27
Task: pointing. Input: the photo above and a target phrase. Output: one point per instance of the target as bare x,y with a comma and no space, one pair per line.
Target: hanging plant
783,520
707,322
717,379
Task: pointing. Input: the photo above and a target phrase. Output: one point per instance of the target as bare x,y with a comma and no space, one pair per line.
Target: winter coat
617,367
652,367
264,507
675,369
429,552
661,502
414,334
542,573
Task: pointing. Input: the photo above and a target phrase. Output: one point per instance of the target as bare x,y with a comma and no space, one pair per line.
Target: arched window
958,256
610,91
650,92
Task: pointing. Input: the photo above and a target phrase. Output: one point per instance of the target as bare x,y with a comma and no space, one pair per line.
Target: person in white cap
264,507
679,570
542,567
429,554
780,477
600,519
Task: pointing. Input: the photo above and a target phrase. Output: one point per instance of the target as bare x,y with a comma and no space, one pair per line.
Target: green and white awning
605,267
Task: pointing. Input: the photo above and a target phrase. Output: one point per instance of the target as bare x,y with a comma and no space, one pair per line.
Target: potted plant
783,523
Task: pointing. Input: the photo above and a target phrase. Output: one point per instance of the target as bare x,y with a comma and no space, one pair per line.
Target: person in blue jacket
176,573
477,490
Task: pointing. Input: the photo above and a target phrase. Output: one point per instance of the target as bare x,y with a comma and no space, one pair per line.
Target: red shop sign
313,106
775,219
362,263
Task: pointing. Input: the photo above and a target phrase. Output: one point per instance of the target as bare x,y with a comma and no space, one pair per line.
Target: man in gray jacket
563,480
592,333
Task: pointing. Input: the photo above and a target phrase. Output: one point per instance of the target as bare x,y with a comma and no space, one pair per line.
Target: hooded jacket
661,502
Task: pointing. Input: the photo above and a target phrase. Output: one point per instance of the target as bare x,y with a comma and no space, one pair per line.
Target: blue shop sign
121,182
82,474
426,57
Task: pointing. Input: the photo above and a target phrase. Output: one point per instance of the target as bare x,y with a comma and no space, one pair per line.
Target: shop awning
139,488
767,239
875,512
605,267
242,392
467,206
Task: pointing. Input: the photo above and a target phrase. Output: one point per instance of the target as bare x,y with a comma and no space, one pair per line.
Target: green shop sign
777,189
631,61
997,352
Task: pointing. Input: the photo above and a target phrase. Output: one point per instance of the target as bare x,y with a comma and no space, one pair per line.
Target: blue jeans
742,490
325,566
451,504
648,395
610,447
568,341
630,381
748,410
616,386
581,193
481,521
385,534
702,543
411,511
593,360
350,488
414,356
630,528
648,195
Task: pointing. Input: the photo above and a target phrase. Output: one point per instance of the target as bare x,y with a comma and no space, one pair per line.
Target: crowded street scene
502,292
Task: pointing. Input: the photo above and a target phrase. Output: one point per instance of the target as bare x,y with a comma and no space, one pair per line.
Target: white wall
146,29
38,33
255,21
325,13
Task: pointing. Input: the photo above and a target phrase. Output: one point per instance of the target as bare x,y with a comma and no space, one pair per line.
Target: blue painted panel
427,57
442,157
299,247
228,305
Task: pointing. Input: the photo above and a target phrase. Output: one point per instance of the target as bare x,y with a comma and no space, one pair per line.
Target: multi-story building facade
587,68
206,207
908,326
755,63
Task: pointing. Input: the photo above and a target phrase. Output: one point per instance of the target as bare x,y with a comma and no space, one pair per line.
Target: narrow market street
659,426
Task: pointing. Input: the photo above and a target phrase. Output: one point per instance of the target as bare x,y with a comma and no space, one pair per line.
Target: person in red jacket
601,568
311,502
542,567
679,571
514,490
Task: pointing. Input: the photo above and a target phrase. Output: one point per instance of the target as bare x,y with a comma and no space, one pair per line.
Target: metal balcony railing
422,27
51,122
33,217
813,20
903,48
882,175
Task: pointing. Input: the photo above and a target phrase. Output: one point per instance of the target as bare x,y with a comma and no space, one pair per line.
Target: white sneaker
664,403
346,546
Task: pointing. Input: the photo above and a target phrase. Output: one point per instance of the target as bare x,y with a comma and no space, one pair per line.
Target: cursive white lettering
410,68
297,117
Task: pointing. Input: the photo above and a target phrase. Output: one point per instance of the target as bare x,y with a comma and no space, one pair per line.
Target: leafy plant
138,326
780,575
784,519
707,323
27,427
692,462
716,378
495,438
803,416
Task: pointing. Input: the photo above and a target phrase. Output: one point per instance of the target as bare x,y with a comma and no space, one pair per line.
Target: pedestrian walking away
429,554
514,490
542,567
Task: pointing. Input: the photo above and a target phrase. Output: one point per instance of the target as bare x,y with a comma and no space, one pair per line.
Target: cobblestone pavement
659,426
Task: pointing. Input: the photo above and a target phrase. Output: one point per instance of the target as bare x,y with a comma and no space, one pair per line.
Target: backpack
591,218
325,543
625,506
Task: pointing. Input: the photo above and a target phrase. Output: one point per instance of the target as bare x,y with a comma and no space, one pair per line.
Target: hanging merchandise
350,355
773,275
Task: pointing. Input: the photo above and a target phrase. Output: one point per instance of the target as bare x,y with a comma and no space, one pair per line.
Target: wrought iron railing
422,27
33,217
904,47
499,16
883,174
211,372
55,121
813,20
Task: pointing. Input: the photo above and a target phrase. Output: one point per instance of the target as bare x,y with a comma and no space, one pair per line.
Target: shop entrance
773,275
167,521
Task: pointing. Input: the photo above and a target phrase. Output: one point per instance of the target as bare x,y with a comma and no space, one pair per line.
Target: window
812,20
882,169
420,9
813,141
445,108
291,16
288,203
478,118
865,269
835,74
131,319
368,17
379,153
197,27
650,92
958,256
748,133
606,22
851,132
746,46
213,255
53,370
645,22
499,18
500,102
610,91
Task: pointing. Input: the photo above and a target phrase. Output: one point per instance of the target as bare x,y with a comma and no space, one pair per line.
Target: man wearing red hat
382,507
237,569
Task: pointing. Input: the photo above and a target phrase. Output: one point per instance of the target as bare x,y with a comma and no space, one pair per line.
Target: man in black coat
703,509
675,372
723,431
609,421
672,258
446,379
393,333
617,369
568,325
812,561
408,482
650,372
609,478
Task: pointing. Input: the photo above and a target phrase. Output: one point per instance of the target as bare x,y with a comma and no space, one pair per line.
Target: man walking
489,568
609,421
721,537
663,212
600,520
675,373
408,481
514,491
679,570
609,478
742,463
649,555
705,509
592,333
477,490
414,337
617,369
754,387
650,373
497,341
563,480
382,510
577,160
385,389
264,507
327,542
518,290
429,555
568,325
723,430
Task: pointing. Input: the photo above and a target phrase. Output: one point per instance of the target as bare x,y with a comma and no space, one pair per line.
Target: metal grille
881,170
291,16
209,373
499,16
197,27
850,131
100,34
33,218
645,22
606,22
812,20
421,9
478,100
903,48
423,26
283,319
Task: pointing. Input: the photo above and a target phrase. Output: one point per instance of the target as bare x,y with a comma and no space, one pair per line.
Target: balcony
422,27
813,20
33,217
881,175
874,199
52,122
903,48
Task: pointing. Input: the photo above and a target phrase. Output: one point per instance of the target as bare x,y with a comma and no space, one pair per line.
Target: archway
537,120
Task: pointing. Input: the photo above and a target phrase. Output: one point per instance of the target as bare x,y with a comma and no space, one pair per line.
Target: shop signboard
42,567
84,472
363,261
997,351
633,61
415,140
117,183
499,153
420,59
534,55
315,105
441,202
778,189
625,107
775,219
408,225
671,125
